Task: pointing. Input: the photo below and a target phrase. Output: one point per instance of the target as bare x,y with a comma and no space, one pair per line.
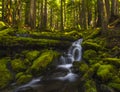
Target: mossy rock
115,79
5,75
31,55
88,74
113,61
89,55
105,72
96,66
18,65
90,86
22,78
115,86
83,68
91,45
45,59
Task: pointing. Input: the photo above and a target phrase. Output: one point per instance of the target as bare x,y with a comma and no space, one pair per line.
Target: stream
61,78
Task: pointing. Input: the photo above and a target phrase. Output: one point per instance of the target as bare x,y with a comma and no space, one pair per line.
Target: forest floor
22,54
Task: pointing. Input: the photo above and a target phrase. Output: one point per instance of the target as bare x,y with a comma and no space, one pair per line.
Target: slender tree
61,15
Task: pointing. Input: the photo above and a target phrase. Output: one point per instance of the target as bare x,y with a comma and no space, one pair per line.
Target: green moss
90,86
74,33
115,79
94,33
89,55
114,61
44,60
2,25
23,78
103,54
91,45
5,75
88,74
115,86
18,75
31,55
105,72
96,66
18,65
83,67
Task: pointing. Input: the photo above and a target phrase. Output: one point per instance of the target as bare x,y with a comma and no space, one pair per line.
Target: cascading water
56,81
74,53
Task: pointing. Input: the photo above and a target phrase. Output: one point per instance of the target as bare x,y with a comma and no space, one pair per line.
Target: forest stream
62,78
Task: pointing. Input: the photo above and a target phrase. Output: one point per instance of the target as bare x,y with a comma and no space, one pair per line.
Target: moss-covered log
27,42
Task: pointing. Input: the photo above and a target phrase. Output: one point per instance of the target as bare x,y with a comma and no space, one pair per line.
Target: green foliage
105,72
5,75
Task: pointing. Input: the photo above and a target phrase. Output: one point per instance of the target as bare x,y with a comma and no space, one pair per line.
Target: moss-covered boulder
83,68
105,72
5,75
18,65
90,56
22,78
31,55
44,60
90,86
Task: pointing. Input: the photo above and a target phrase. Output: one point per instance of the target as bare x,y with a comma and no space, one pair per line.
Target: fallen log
28,42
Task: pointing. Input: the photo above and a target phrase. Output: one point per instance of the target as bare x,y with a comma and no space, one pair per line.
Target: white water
65,64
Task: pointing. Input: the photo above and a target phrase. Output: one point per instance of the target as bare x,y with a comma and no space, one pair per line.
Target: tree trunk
17,13
99,7
84,15
61,16
32,17
3,10
114,8
103,16
45,15
51,18
27,10
107,2
8,16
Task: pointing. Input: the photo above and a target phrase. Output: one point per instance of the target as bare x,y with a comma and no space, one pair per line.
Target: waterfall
74,53
62,74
